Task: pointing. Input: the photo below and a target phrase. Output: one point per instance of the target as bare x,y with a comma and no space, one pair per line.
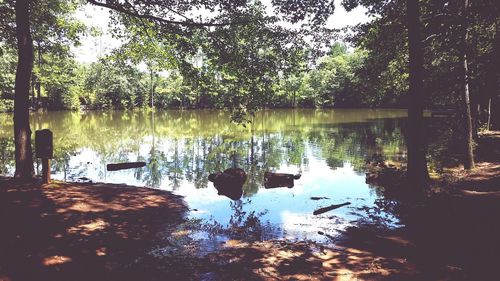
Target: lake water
181,148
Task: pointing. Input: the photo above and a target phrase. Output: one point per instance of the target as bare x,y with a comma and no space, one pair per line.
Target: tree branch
437,16
430,37
189,23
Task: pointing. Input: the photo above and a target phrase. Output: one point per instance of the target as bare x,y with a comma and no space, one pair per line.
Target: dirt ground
65,231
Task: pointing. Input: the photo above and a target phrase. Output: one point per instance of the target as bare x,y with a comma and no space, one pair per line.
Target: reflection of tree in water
61,163
197,236
152,175
6,155
200,154
176,167
194,158
242,225
192,145
358,142
378,214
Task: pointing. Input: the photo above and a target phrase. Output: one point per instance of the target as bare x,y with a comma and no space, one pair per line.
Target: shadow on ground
80,232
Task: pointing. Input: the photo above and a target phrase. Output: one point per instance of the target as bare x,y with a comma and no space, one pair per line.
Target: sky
94,47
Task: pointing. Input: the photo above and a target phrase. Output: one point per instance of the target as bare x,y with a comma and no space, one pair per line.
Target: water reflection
181,148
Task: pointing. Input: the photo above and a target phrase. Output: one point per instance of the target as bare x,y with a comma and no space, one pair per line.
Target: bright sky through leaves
94,47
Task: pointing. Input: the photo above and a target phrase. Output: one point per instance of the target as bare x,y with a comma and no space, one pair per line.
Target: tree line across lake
66,84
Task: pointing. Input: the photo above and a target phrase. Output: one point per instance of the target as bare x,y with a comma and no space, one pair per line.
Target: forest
266,65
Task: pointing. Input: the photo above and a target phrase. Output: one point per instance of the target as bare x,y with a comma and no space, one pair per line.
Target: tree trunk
495,114
151,76
418,174
22,131
495,89
469,156
489,115
38,84
475,119
33,83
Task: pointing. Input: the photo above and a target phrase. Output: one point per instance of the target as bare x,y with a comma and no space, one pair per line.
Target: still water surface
181,148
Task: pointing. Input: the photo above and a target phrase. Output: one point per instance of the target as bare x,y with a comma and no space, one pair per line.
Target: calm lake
181,148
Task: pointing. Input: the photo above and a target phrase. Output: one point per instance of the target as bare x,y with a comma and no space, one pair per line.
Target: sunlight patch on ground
88,228
56,260
100,252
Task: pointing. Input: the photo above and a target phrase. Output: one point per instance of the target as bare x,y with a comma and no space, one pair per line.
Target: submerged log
272,180
329,208
318,198
123,166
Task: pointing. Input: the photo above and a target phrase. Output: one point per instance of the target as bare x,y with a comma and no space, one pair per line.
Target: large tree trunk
22,131
418,174
469,153
495,113
495,88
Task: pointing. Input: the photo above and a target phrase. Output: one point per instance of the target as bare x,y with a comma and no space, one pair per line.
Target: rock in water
229,183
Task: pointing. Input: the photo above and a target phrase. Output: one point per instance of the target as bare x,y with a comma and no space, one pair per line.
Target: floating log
272,180
123,166
329,208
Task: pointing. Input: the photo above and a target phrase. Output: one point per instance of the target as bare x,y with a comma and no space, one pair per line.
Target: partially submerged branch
329,208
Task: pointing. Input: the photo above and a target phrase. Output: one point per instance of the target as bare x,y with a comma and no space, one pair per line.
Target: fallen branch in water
329,208
485,194
318,198
123,166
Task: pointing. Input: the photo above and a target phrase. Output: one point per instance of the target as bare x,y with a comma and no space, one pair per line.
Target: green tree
22,130
112,86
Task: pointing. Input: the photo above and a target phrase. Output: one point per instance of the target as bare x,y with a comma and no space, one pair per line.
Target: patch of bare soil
281,260
484,178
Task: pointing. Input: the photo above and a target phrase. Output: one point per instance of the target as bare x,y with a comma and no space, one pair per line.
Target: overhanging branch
187,22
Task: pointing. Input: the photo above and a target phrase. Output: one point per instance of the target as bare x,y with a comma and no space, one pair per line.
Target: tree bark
38,84
495,114
489,115
151,77
33,82
22,131
418,174
495,94
469,153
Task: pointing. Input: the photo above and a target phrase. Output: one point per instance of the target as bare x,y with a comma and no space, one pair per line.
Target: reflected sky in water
328,147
